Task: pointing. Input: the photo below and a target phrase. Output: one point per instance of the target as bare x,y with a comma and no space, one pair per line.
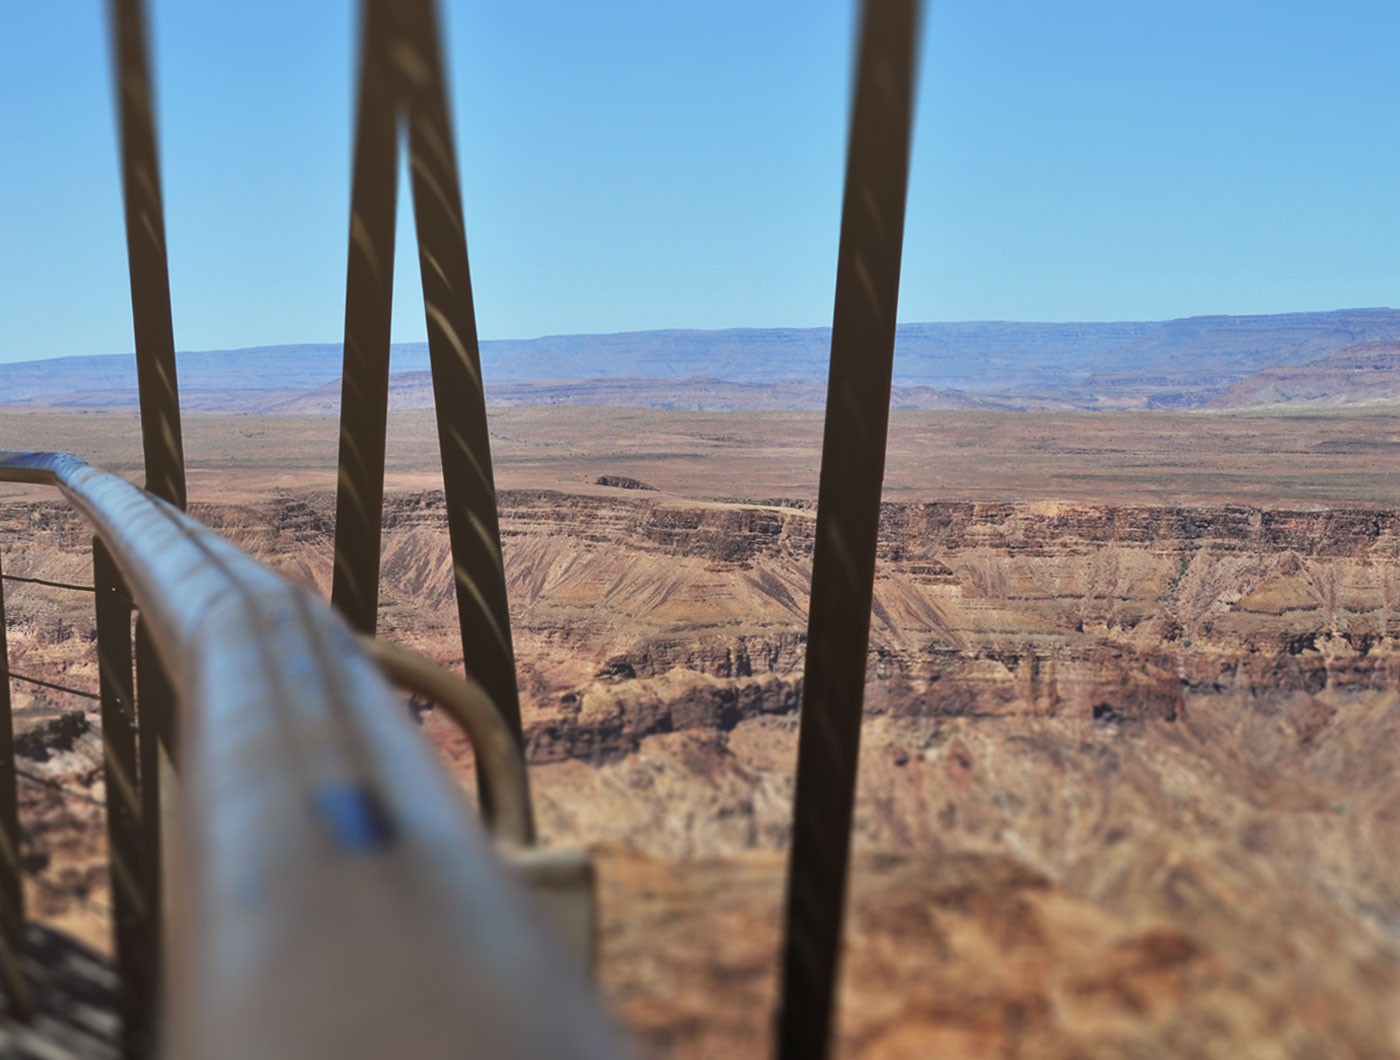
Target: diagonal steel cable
146,259
14,676
369,292
134,838
46,581
469,486
848,516
402,74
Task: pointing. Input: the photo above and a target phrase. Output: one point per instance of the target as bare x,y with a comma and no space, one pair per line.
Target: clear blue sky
640,164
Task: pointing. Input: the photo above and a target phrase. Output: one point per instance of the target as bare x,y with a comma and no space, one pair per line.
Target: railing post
126,859
11,883
155,705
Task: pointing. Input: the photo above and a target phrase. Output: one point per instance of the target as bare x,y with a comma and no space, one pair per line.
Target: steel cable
46,581
156,379
848,517
48,684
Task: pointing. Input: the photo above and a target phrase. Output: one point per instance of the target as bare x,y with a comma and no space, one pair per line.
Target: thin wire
48,783
59,890
45,581
68,585
49,684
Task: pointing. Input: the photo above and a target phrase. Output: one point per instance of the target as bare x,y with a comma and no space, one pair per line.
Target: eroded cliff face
1125,784
643,618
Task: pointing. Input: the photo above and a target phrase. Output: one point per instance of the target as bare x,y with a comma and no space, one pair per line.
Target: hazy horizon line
735,329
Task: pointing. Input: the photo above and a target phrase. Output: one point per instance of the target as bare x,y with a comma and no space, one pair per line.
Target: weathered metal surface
332,896
848,515
132,930
17,991
146,260
369,295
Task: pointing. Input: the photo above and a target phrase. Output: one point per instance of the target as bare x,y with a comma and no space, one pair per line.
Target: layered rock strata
1126,783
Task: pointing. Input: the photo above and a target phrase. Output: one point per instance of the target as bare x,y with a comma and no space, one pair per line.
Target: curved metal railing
329,896
507,812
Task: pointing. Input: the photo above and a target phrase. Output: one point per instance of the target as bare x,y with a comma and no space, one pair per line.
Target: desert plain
1126,782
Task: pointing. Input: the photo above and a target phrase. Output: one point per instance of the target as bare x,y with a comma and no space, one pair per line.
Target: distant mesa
622,482
997,365
1366,372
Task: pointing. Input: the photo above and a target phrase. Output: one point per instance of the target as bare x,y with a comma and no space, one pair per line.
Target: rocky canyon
1125,784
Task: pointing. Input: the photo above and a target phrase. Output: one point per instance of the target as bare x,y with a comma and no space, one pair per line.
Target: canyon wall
1125,783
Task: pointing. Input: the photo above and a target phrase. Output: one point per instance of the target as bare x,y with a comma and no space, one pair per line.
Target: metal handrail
330,895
